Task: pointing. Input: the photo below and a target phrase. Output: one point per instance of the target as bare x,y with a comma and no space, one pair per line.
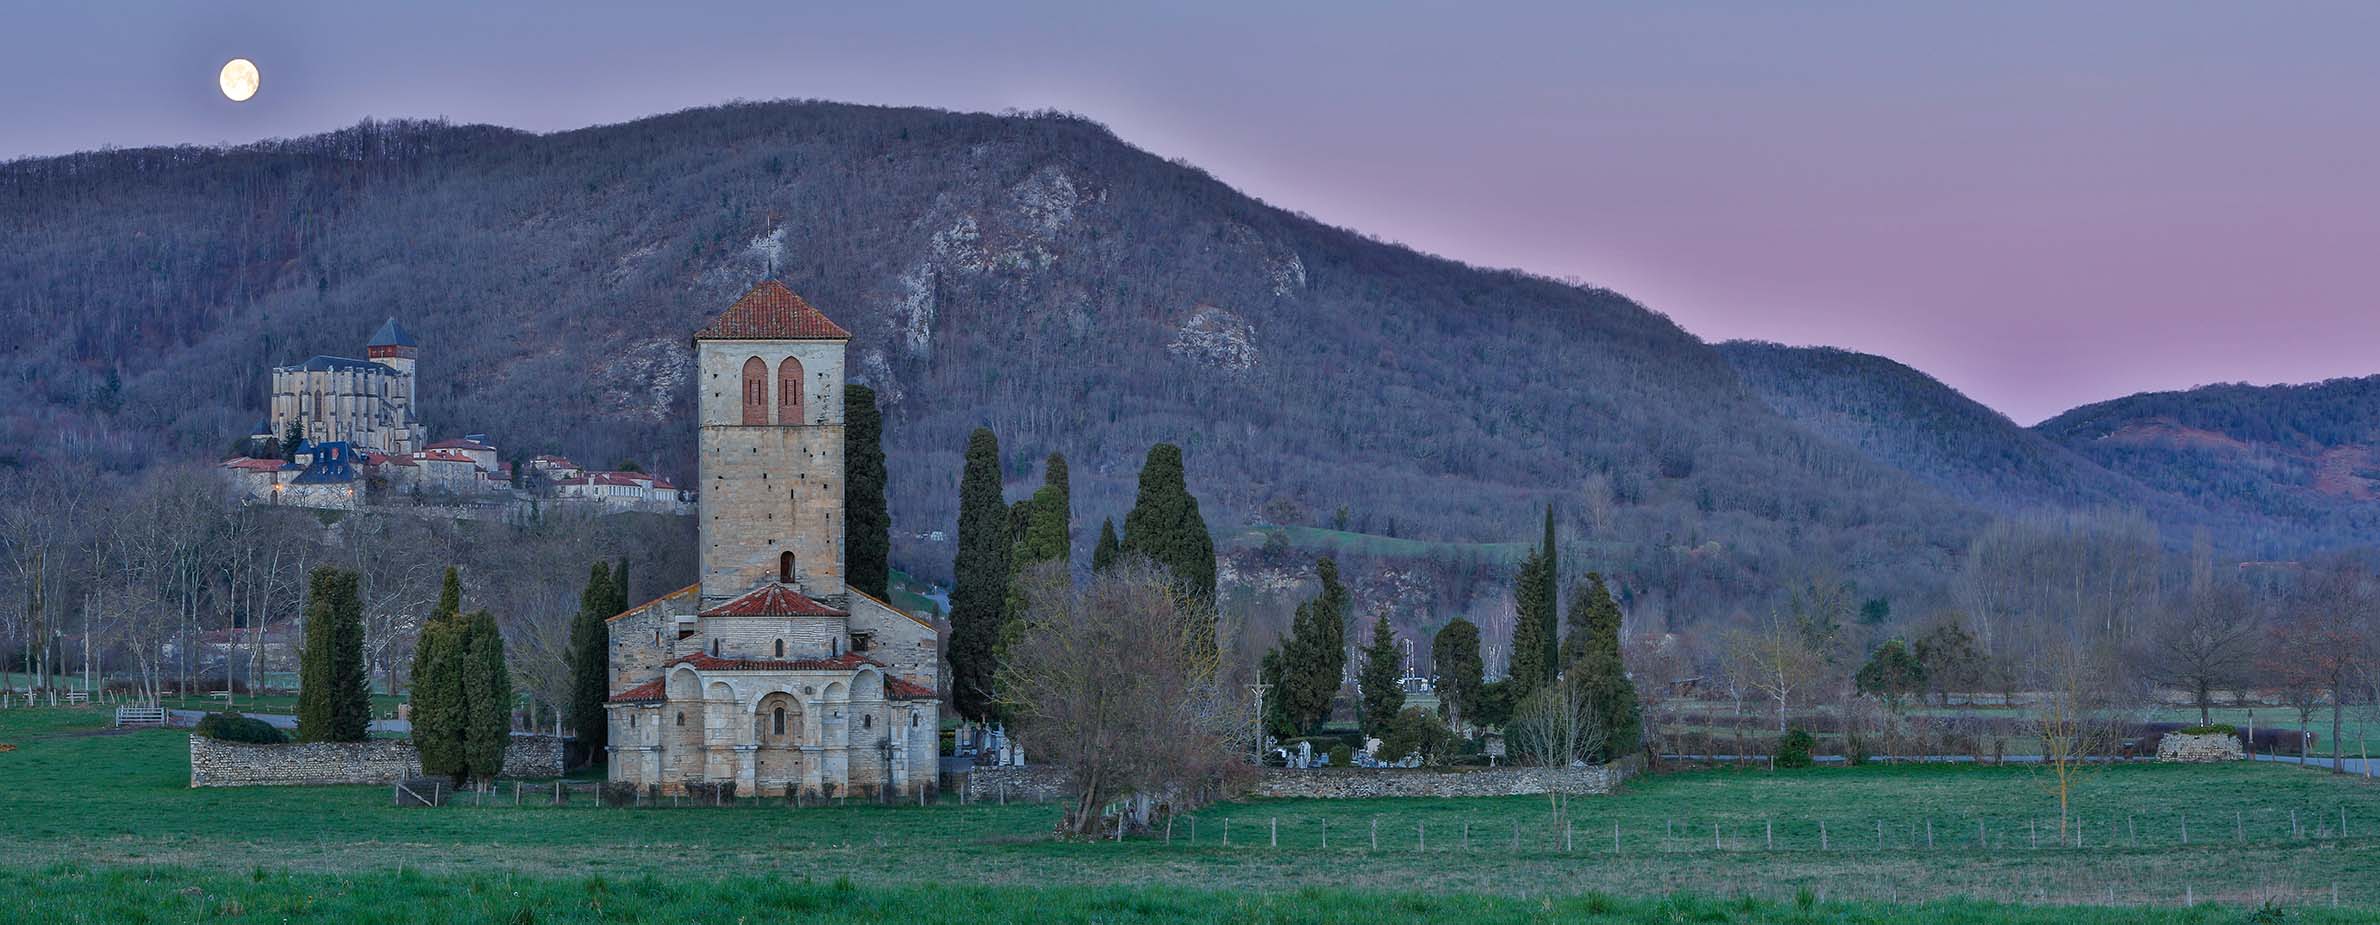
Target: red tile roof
706,662
771,312
650,690
460,444
772,600
447,456
905,689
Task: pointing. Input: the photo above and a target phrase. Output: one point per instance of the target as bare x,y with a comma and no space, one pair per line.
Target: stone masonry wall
1042,783
2220,746
378,761
1353,783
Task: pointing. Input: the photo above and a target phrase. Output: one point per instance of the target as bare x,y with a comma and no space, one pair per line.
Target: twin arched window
756,391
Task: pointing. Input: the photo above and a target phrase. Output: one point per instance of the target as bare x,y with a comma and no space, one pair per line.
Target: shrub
1793,751
1855,749
1341,756
1414,731
2210,729
232,727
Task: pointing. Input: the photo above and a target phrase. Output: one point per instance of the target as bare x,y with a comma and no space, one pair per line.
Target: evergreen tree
1592,661
439,700
1536,647
619,601
1047,534
1314,655
1277,721
590,659
487,697
334,696
291,437
1383,697
979,590
1454,653
1105,552
1895,675
867,521
1165,526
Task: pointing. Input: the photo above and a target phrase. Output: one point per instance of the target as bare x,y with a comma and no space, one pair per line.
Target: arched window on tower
785,567
777,722
789,391
756,391
780,648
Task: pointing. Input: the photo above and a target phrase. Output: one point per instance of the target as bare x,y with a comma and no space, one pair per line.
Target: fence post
1929,833
1615,837
1375,833
1715,845
1275,834
1227,831
2185,828
1565,836
1326,833
1770,828
1421,835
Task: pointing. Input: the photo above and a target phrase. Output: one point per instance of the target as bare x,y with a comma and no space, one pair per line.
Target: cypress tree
1165,526
438,695
979,590
334,696
487,696
867,521
1454,654
1536,639
1108,548
1315,654
290,438
1592,659
1042,527
1382,696
619,600
590,659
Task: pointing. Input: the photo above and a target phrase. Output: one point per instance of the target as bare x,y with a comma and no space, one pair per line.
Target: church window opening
912,720
780,648
714,648
785,567
756,391
789,391
681,717
777,722
867,722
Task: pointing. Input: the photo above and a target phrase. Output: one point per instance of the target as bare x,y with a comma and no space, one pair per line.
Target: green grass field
105,823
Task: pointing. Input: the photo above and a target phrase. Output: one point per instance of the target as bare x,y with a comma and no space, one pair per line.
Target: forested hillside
1032,273
2294,459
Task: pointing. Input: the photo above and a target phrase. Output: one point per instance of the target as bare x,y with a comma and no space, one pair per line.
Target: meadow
94,813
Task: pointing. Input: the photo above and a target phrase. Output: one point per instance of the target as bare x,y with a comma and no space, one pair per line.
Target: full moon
239,79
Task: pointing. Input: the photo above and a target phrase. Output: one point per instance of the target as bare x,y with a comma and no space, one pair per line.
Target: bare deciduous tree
2072,697
1776,661
1110,682
2207,642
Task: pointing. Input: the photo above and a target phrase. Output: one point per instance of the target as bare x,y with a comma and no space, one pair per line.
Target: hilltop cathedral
769,673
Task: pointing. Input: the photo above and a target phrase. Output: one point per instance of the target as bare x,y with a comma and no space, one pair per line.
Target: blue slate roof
391,334
323,363
333,464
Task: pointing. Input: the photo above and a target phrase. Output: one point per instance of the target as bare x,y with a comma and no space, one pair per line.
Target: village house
769,673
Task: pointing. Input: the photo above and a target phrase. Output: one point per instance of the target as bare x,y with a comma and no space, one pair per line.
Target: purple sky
2041,205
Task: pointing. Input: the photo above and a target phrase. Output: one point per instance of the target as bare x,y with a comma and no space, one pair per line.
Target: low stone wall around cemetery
1353,783
2219,746
1033,784
1041,783
378,761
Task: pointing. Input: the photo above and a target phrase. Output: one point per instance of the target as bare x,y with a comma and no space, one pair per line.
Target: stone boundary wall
377,761
2219,746
1039,783
1358,783
1042,783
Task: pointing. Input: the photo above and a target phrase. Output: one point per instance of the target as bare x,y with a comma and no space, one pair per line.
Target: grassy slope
106,799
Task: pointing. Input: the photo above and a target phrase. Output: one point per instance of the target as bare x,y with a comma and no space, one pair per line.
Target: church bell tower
771,447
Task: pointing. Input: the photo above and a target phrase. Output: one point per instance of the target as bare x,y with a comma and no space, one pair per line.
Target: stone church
769,673
366,403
